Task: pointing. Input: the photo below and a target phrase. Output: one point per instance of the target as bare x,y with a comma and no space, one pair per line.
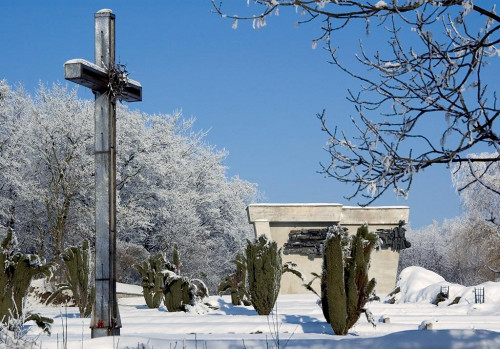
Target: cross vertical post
105,314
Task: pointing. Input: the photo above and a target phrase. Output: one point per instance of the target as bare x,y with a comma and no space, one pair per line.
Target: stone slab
277,220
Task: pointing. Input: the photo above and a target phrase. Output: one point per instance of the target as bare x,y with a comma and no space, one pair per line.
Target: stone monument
300,228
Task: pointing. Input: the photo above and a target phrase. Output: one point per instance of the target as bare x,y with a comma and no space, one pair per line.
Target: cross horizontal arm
96,78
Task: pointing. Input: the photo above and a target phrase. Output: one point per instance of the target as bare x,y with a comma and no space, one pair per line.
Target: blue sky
257,91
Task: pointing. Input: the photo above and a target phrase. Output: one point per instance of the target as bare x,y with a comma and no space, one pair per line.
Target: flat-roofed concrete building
276,221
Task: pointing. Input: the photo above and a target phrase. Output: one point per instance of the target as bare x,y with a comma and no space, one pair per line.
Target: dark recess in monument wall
309,242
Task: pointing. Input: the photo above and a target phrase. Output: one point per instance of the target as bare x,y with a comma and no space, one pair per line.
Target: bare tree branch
435,67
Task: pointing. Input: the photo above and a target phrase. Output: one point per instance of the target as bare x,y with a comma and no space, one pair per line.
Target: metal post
105,315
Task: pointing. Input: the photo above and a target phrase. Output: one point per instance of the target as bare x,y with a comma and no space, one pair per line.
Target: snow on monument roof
326,204
296,204
372,207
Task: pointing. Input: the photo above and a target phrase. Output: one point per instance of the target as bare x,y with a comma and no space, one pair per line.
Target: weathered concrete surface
277,220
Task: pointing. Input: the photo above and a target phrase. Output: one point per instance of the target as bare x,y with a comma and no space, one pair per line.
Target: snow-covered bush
179,292
18,271
78,279
161,282
14,333
152,273
264,270
345,287
235,283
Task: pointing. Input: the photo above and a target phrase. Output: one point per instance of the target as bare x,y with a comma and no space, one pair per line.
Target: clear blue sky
258,91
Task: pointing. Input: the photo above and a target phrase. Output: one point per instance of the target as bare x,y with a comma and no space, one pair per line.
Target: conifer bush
345,287
264,270
236,283
18,271
152,273
162,282
180,291
77,278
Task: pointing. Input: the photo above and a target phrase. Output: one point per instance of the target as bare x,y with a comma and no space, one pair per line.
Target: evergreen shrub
264,271
236,283
162,282
180,291
152,273
18,271
345,287
77,278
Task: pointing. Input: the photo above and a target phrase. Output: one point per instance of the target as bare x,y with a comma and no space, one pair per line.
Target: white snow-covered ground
300,322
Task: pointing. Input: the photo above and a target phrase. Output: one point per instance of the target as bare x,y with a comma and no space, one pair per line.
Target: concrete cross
105,315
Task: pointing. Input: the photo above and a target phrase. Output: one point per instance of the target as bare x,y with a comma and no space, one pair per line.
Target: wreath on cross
117,80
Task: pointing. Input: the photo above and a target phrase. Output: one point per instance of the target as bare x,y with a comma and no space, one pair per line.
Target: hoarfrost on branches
479,186
440,248
172,187
444,65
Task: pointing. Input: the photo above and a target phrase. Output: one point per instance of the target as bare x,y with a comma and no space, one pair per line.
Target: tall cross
99,77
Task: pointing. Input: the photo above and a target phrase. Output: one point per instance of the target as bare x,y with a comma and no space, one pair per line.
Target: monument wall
276,221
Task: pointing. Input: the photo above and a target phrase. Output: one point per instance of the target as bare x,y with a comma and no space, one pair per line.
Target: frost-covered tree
48,170
462,250
479,186
475,251
127,255
60,149
430,248
14,106
172,187
427,71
